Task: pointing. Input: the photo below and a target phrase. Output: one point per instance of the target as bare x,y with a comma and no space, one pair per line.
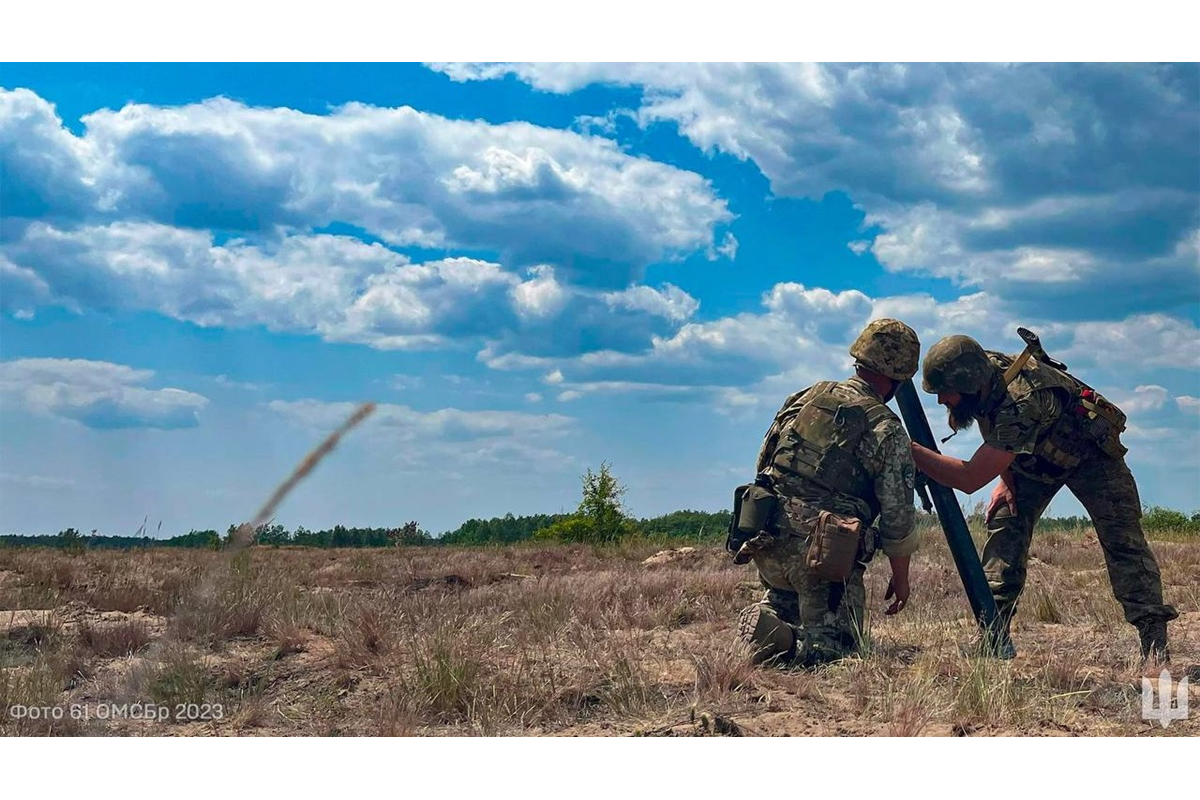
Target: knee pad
772,639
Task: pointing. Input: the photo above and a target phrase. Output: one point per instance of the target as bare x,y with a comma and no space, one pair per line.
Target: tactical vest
815,438
1063,445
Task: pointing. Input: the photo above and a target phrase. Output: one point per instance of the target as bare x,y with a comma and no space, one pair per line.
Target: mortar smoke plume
244,534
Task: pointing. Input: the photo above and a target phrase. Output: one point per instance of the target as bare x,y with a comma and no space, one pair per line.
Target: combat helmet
889,347
956,363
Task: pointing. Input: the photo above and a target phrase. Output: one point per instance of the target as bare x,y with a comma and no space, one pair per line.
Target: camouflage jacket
883,455
1030,418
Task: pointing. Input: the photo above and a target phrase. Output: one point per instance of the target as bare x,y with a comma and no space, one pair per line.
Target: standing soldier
1043,429
835,460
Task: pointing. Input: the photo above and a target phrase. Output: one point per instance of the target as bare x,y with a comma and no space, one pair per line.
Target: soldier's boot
1153,635
772,640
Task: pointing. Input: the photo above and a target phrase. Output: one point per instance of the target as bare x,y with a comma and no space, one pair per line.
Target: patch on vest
1014,429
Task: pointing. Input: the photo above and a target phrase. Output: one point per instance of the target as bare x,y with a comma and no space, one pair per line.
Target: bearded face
962,416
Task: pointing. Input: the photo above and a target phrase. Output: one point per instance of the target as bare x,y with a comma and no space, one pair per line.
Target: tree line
601,518
509,529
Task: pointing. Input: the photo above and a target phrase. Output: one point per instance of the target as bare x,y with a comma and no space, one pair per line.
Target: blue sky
534,268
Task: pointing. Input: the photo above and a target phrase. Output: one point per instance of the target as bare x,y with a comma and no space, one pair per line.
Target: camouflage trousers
802,619
1106,488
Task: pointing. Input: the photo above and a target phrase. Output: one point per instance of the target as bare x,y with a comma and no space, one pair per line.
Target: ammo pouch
834,546
755,507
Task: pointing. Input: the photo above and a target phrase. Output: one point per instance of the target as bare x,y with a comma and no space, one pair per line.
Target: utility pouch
1103,421
834,546
755,507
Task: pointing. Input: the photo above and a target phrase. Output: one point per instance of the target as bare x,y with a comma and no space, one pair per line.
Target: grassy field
561,640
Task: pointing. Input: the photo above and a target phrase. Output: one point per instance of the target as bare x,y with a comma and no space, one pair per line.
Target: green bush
1157,518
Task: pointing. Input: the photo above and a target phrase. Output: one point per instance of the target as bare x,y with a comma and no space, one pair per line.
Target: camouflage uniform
1036,416
803,618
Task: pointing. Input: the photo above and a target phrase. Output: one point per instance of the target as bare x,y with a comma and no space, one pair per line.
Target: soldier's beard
962,416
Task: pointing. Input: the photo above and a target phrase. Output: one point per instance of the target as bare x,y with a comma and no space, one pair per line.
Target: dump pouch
755,506
757,510
735,539
834,547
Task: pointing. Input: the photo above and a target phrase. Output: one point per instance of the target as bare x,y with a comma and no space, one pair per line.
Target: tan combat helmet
889,347
956,363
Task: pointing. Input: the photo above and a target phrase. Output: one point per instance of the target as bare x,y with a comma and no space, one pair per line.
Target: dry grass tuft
113,640
723,669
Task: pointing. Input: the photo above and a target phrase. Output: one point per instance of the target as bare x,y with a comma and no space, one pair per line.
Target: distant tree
601,503
601,515
408,535
341,537
273,535
71,542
